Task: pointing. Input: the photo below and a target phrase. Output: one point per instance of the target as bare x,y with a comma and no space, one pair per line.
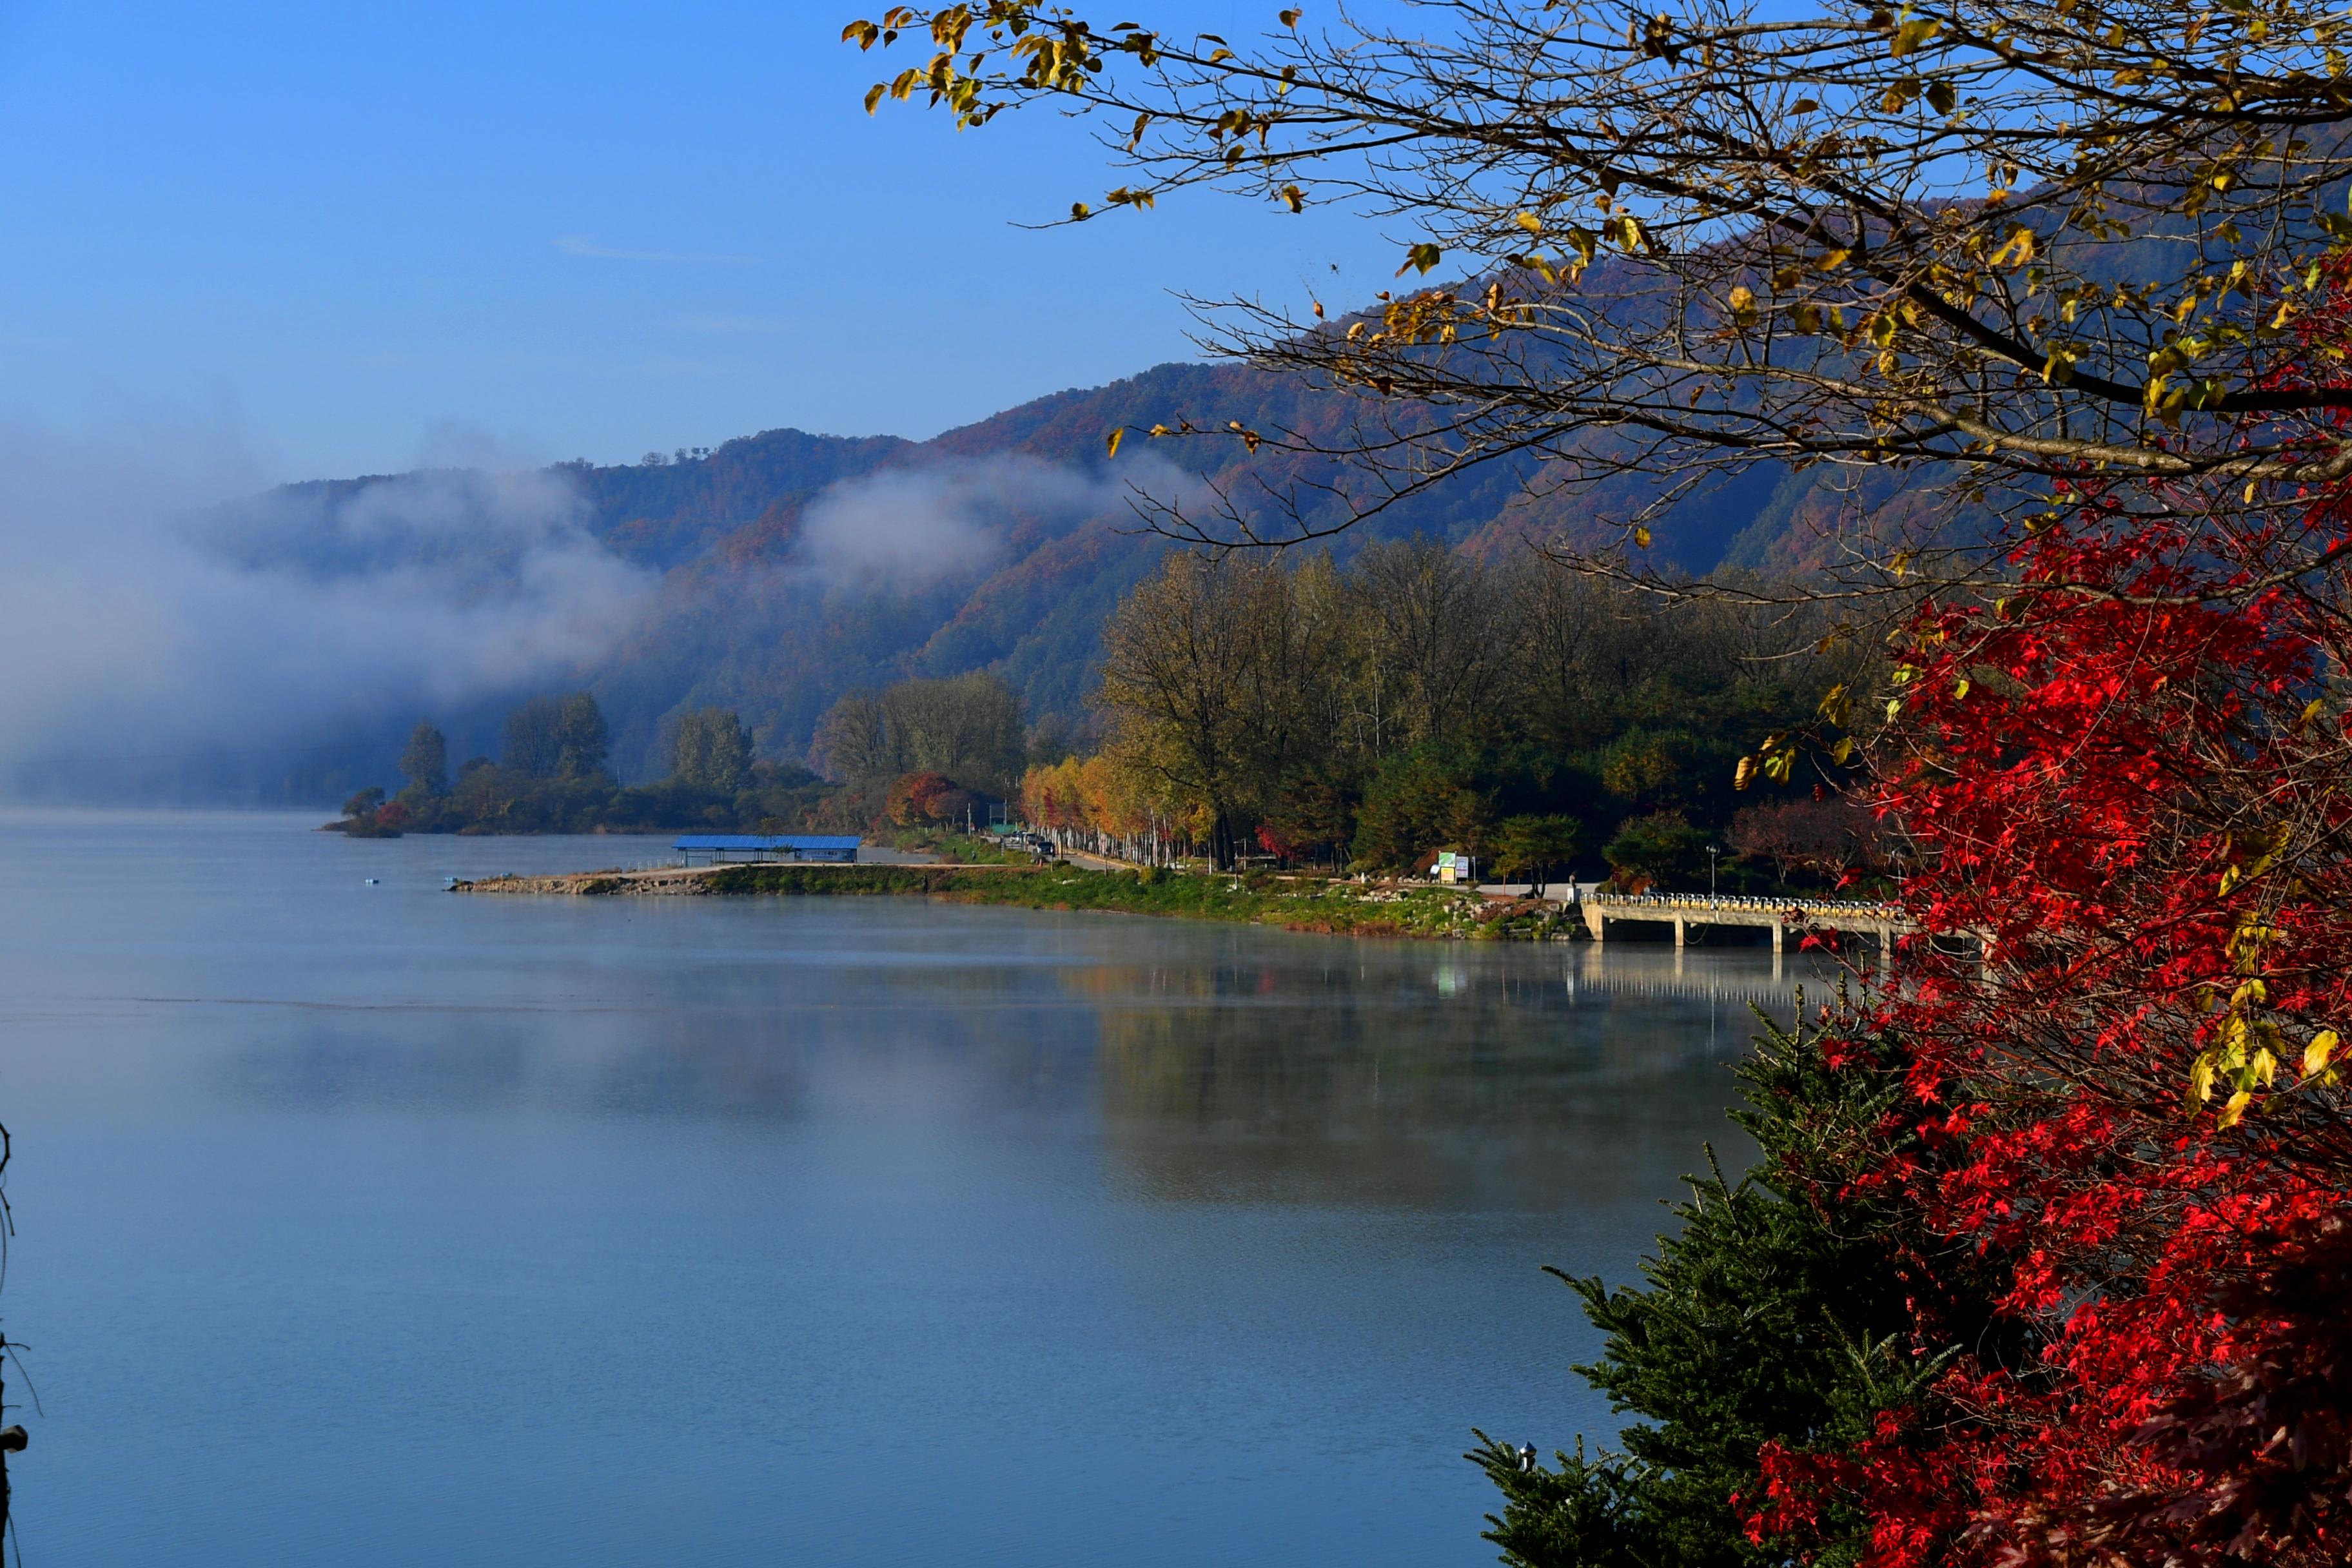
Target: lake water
368,1224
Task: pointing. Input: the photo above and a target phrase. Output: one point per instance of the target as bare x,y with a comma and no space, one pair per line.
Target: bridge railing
1702,902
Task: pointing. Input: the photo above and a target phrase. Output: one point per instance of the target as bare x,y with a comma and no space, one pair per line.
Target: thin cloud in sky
582,245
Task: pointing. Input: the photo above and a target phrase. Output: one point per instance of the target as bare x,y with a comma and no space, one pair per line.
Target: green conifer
1787,1310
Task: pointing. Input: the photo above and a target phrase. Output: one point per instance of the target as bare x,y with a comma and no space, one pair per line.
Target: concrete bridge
1779,916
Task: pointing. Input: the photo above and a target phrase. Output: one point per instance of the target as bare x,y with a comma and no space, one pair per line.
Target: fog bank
167,625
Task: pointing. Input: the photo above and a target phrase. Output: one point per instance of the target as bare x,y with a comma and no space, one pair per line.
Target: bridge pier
1779,936
1678,930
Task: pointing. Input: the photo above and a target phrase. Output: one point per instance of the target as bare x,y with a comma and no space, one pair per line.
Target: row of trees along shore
1416,699
1367,715
2046,1256
551,778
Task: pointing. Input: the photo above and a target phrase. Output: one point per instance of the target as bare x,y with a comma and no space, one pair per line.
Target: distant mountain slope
664,517
792,567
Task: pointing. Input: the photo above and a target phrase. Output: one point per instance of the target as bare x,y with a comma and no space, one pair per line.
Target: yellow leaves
1656,39
2201,1079
1842,752
2322,1049
1743,305
1776,759
2234,1111
1113,444
2311,711
1158,431
1912,35
2246,943
2233,1041
2017,250
1534,261
1830,261
1433,315
1960,688
1250,438
1837,705
1940,97
2265,848
1529,221
1641,536
1289,18
1423,256
1080,212
1293,197
863,34
1237,123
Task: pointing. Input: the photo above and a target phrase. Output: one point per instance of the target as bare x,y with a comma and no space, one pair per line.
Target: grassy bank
1306,904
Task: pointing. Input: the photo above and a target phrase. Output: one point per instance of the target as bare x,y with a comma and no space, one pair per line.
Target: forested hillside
785,569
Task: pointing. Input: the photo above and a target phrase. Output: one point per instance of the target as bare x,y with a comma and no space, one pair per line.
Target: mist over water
173,627
167,625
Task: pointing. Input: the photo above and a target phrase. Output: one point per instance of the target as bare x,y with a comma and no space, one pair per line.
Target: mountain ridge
772,592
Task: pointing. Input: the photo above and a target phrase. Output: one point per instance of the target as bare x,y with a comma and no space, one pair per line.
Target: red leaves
2119,778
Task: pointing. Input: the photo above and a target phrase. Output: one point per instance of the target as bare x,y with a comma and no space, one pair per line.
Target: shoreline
1305,904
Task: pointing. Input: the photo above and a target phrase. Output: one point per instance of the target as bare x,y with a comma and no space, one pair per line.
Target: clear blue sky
584,230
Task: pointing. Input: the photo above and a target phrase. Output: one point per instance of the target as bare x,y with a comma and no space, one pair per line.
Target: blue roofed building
838,849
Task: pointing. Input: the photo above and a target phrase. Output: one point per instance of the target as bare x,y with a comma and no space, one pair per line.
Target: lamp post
1711,853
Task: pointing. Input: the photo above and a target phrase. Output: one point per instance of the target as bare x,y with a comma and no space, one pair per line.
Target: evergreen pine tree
1788,1310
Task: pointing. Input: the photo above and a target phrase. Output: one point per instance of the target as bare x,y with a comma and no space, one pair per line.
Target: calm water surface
371,1225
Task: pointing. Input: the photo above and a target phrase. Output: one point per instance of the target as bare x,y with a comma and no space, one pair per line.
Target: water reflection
1215,1064
1443,1082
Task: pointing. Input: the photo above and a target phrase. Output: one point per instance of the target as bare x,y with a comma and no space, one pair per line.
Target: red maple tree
2128,783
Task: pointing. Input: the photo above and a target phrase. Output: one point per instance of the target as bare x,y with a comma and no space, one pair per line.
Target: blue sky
372,234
